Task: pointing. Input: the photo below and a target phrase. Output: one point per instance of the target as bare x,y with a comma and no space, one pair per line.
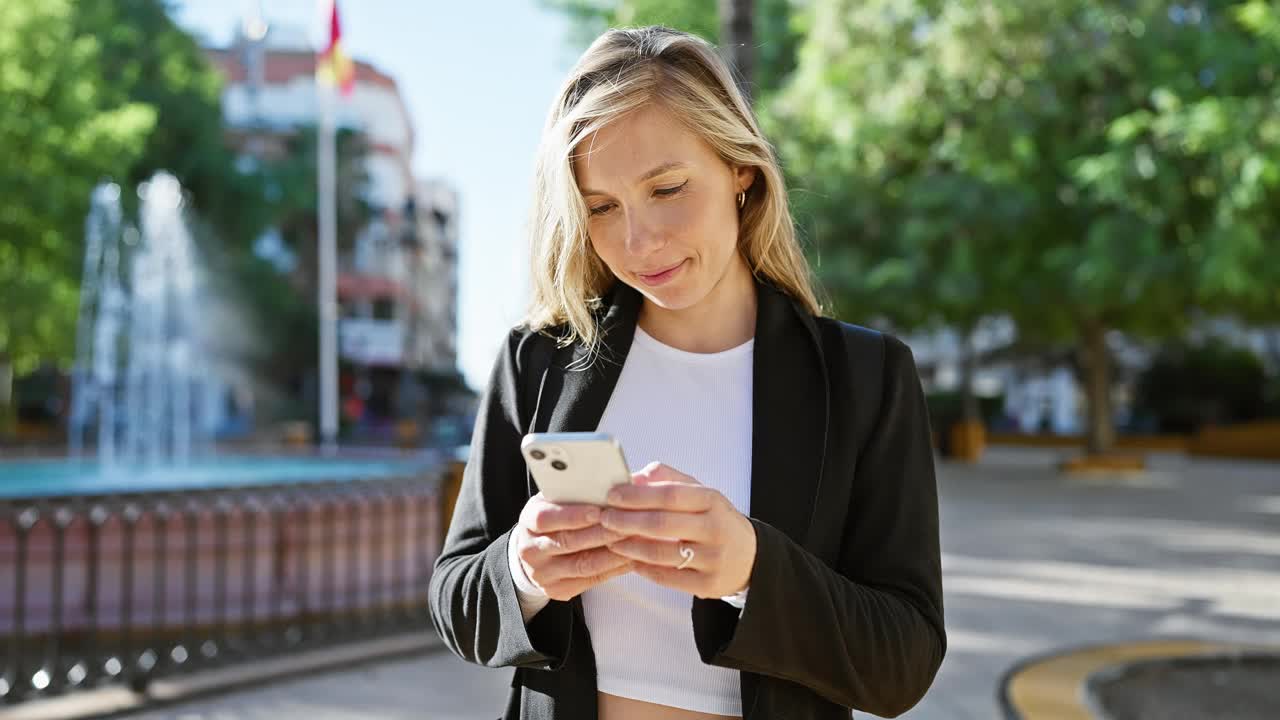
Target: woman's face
662,206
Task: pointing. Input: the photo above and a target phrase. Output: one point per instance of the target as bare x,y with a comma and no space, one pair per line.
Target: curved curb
1118,672
1053,685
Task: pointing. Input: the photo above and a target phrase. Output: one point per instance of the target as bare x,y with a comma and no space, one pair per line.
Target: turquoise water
52,478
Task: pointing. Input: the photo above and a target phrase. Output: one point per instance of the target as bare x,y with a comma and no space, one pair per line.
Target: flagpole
328,262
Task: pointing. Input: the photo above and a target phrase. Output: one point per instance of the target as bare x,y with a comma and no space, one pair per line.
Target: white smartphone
575,467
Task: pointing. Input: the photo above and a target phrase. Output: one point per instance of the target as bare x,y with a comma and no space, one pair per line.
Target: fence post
451,486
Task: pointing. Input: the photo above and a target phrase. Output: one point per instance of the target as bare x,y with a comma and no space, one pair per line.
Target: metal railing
125,588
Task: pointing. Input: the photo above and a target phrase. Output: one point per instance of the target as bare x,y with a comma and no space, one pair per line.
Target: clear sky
477,78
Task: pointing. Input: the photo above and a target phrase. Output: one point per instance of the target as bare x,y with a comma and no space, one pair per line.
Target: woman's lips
662,276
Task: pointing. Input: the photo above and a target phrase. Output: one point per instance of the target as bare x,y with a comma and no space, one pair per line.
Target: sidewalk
434,686
1033,563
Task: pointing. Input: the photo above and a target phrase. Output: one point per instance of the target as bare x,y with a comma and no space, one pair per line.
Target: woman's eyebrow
659,170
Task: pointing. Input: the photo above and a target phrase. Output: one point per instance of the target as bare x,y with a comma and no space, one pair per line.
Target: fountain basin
104,575
34,479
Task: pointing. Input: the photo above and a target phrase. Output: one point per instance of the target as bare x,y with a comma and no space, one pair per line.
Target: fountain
142,326
145,553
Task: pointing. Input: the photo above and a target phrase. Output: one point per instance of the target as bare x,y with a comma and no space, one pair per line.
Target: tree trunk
6,383
1272,337
307,271
737,41
1097,373
970,412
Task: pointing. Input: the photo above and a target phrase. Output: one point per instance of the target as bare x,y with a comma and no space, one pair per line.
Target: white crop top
691,411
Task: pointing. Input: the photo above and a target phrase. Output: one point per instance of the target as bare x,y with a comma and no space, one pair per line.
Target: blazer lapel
789,416
573,397
577,389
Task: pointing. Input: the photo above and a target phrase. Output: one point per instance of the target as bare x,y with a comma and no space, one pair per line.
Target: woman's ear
745,177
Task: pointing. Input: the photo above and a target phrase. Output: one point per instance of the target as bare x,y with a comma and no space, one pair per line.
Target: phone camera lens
537,454
559,464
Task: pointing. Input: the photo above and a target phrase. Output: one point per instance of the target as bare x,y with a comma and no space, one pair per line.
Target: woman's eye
661,192
667,192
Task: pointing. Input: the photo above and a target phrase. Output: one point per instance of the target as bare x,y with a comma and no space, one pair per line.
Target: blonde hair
622,71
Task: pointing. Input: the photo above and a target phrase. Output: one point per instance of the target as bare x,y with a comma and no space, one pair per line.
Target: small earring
742,198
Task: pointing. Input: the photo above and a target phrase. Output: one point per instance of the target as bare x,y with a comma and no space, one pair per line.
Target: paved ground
1033,562
436,686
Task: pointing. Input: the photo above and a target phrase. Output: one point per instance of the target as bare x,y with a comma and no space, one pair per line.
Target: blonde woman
777,556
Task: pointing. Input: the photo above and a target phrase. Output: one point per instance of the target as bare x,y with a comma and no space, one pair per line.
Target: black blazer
845,605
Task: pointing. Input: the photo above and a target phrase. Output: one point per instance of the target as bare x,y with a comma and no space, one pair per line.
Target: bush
1188,387
945,409
1271,400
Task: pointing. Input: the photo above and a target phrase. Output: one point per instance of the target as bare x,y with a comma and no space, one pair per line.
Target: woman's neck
724,319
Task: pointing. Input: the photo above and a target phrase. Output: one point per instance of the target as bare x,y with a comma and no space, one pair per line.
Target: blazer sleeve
868,633
474,605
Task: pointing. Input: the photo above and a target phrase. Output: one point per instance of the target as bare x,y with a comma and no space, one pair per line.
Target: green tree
159,109
1085,198
737,40
777,29
107,89
65,127
589,18
153,61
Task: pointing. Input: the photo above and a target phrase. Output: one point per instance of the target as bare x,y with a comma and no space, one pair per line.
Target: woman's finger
693,582
585,564
567,589
543,516
665,495
656,472
694,526
665,553
565,542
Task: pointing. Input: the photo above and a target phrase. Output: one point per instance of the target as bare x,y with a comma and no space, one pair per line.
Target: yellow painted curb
1052,687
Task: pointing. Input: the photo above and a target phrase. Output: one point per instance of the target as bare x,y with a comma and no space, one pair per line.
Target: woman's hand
664,510
563,548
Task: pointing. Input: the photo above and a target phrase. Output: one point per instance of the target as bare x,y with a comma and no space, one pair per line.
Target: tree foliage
114,90
153,61
779,29
65,126
1083,166
1088,165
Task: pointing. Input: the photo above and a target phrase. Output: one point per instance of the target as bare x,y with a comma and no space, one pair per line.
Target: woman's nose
643,234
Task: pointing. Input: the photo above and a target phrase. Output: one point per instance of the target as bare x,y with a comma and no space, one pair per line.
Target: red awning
368,287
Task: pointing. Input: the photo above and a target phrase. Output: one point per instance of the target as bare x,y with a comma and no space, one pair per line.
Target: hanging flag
334,66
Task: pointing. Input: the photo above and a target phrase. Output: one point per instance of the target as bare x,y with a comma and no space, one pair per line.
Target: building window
384,309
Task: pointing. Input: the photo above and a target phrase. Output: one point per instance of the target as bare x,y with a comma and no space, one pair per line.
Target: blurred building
397,284
437,287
